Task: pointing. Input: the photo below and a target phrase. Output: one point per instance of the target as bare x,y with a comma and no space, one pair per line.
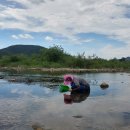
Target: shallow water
36,106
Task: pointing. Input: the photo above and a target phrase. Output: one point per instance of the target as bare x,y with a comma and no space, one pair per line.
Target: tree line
56,57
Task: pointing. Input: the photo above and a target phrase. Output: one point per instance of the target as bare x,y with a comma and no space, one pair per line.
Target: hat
67,79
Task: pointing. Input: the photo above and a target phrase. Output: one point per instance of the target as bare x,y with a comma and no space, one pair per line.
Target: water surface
36,106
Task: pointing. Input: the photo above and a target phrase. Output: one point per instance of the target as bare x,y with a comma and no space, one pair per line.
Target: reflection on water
39,107
75,97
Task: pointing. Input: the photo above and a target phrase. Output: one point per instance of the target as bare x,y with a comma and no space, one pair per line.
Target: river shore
61,70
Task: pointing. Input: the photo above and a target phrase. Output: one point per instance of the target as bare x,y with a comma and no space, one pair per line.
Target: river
37,106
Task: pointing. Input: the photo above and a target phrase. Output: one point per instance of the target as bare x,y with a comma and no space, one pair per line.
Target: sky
100,27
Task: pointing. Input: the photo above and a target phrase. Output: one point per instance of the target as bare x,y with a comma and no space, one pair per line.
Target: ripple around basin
37,106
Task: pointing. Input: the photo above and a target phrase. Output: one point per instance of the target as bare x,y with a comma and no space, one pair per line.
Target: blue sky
90,26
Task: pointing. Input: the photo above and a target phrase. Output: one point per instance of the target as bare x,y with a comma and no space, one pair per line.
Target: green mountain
21,49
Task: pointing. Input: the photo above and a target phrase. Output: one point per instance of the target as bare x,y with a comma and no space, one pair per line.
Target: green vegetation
56,57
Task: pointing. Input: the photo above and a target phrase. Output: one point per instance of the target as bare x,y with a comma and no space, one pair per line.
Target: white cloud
82,16
25,36
22,36
87,40
110,51
48,38
15,37
75,40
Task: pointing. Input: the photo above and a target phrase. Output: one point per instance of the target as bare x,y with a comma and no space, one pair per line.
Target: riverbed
39,106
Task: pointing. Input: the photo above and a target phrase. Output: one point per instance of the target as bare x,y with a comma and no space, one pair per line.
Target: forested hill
21,49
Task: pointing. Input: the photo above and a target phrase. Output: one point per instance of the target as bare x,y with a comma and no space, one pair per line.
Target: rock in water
104,85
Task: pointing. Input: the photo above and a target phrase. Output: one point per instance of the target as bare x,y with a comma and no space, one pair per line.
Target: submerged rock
12,80
23,79
37,127
1,77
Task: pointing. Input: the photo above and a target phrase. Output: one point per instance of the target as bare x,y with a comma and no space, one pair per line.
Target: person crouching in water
78,85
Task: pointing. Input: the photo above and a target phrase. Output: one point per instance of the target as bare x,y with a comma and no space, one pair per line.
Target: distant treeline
56,57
